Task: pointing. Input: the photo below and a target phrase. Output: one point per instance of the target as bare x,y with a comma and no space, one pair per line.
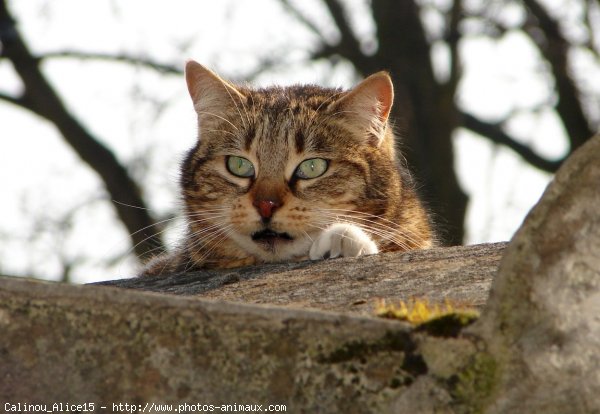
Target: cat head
272,167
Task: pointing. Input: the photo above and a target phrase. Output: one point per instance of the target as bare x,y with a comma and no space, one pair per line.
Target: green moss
472,387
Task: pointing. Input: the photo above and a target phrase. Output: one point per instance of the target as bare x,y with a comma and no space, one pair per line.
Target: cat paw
342,239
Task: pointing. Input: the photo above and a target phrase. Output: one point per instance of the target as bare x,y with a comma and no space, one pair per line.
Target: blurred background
491,97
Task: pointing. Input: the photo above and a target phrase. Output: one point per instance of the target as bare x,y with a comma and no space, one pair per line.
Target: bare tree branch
330,51
20,102
348,47
120,58
339,17
294,11
588,22
453,37
494,132
555,49
43,100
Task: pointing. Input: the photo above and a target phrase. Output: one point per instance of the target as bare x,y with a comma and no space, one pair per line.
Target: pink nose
265,208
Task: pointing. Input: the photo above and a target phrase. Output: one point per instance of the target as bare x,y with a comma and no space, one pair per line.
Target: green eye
240,167
311,168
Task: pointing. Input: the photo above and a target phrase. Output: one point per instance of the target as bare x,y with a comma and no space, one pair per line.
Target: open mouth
269,236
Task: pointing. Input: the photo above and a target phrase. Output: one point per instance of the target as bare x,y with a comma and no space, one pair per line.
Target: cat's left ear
209,92
368,106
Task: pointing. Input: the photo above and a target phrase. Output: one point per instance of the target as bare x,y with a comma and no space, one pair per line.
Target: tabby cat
287,174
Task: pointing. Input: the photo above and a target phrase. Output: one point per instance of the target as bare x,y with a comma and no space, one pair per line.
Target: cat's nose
266,208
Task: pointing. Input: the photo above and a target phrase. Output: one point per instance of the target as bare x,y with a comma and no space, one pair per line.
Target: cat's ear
368,106
209,92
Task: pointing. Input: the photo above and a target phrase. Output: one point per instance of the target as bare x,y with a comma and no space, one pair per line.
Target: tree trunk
425,112
40,98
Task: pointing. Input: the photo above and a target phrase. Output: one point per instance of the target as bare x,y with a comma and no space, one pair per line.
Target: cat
292,173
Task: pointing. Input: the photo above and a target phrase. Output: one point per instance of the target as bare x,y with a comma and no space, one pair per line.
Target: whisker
151,251
154,234
393,235
194,218
316,112
327,224
328,117
129,205
216,237
158,223
377,218
222,131
253,106
373,222
237,107
198,245
220,117
308,236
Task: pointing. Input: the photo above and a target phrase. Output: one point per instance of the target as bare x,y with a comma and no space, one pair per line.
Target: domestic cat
291,173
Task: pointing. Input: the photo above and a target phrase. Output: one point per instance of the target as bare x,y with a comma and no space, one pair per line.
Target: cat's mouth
269,237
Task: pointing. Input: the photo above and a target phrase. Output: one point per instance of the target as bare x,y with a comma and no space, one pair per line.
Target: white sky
41,178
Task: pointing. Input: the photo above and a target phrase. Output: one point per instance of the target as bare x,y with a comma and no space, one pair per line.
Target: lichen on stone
435,317
472,387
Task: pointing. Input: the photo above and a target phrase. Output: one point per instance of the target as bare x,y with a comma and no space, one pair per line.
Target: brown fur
276,129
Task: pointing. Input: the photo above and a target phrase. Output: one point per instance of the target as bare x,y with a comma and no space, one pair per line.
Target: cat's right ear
209,92
368,106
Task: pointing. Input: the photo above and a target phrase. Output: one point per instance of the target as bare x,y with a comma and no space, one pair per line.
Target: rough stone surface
542,323
462,274
535,349
82,344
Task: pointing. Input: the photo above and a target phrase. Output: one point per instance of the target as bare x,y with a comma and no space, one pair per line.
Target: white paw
342,239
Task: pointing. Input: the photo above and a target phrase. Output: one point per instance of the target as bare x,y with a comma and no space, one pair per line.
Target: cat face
274,167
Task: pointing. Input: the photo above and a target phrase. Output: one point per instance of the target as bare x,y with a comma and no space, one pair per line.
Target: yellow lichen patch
420,311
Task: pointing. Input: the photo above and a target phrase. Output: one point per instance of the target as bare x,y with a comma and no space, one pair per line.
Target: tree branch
20,101
495,133
348,47
120,58
555,49
453,37
328,52
43,100
339,17
291,9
